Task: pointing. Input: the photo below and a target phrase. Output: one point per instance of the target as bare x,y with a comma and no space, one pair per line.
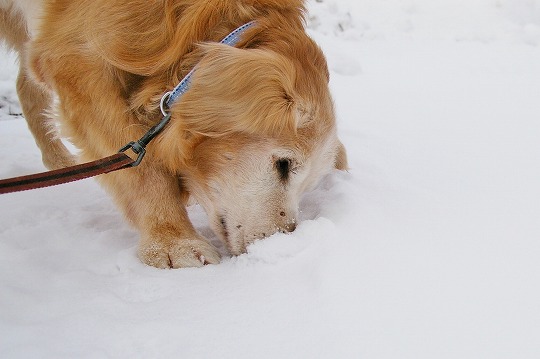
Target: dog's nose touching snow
239,236
288,227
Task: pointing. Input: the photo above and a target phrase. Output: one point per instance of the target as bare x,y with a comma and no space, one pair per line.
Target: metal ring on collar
163,103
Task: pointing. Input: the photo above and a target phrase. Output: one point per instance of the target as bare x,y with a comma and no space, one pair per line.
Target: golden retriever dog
254,131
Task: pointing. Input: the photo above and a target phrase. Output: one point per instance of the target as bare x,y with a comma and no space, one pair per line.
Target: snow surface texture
428,248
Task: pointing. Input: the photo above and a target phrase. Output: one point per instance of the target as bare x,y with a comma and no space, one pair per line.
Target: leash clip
139,147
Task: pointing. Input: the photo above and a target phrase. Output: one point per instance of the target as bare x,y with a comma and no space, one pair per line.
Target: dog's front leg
153,200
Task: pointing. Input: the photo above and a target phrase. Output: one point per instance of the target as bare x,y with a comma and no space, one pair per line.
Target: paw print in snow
325,16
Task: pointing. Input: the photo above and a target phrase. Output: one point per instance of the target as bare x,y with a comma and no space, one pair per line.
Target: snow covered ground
428,248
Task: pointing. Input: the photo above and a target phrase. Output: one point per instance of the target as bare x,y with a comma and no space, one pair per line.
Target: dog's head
255,131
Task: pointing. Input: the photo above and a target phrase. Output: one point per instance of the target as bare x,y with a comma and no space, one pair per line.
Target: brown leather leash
112,163
66,175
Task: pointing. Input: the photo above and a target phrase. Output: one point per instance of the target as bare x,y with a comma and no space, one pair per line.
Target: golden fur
255,130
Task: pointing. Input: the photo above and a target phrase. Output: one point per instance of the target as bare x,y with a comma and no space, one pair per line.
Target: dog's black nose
288,228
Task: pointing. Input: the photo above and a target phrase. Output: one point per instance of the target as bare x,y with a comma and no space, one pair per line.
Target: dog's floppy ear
341,158
239,90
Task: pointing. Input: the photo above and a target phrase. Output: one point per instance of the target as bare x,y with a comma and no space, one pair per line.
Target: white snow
428,248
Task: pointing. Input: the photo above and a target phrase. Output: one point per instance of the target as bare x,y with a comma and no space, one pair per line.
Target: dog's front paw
179,253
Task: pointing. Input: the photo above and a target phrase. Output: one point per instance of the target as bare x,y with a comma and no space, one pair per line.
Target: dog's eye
283,167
